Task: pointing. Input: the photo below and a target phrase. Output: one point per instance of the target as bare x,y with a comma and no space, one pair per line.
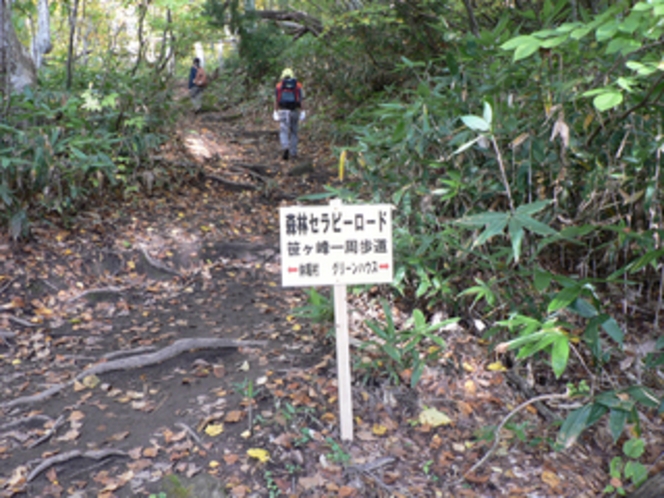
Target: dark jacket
192,75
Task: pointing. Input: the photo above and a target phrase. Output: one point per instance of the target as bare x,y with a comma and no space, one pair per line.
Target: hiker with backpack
289,111
197,82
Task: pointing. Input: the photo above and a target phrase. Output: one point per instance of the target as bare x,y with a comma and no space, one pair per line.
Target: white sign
336,244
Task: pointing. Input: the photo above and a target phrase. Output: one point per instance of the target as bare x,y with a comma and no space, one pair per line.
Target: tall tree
18,67
41,44
73,15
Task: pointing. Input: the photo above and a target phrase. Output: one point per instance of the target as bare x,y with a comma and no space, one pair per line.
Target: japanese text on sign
328,245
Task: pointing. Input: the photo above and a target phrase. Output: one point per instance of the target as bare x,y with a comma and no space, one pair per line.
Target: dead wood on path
133,362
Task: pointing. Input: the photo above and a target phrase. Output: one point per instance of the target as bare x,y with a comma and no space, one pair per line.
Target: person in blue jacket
195,88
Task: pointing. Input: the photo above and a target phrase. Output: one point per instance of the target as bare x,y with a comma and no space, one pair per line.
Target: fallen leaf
379,430
91,381
76,415
231,459
496,366
150,452
551,479
311,482
434,418
214,429
234,416
259,454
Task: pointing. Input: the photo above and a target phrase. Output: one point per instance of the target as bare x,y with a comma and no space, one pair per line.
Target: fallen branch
22,322
70,455
523,386
49,432
143,360
92,293
189,431
128,352
258,168
223,181
246,171
24,421
158,264
496,432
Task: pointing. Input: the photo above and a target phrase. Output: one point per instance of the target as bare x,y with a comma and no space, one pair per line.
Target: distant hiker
289,111
197,82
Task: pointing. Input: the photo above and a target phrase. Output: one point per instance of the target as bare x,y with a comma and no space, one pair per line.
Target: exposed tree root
158,264
228,183
496,433
49,432
24,421
70,455
139,361
94,293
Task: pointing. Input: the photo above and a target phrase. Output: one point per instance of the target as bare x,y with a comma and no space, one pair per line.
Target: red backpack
289,95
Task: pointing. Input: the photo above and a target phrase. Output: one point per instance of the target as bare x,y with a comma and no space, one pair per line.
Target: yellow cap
287,73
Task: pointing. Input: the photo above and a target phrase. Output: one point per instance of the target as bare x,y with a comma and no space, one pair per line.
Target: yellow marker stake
342,163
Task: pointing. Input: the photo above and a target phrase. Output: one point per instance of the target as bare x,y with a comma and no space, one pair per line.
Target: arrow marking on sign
384,266
292,270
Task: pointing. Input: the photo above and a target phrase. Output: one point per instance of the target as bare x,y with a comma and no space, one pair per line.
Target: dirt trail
201,261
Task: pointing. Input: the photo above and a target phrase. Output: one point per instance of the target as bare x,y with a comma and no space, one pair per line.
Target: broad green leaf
642,7
564,298
614,331
536,346
495,228
641,69
606,31
488,113
482,219
534,226
583,308
467,145
392,352
575,423
476,123
608,100
643,395
417,373
636,472
526,50
516,235
625,83
567,27
560,355
634,448
554,42
622,45
542,280
516,42
533,207
645,260
632,23
617,420
579,33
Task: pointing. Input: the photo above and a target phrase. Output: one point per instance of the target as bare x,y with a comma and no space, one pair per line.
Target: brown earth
200,260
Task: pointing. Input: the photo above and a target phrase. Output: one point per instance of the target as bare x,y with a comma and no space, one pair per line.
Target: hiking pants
196,94
288,122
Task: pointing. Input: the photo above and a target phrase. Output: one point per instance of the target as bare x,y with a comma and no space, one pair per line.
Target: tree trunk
142,12
17,66
472,22
42,42
73,14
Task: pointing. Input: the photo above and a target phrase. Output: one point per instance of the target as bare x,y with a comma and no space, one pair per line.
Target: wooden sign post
337,245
